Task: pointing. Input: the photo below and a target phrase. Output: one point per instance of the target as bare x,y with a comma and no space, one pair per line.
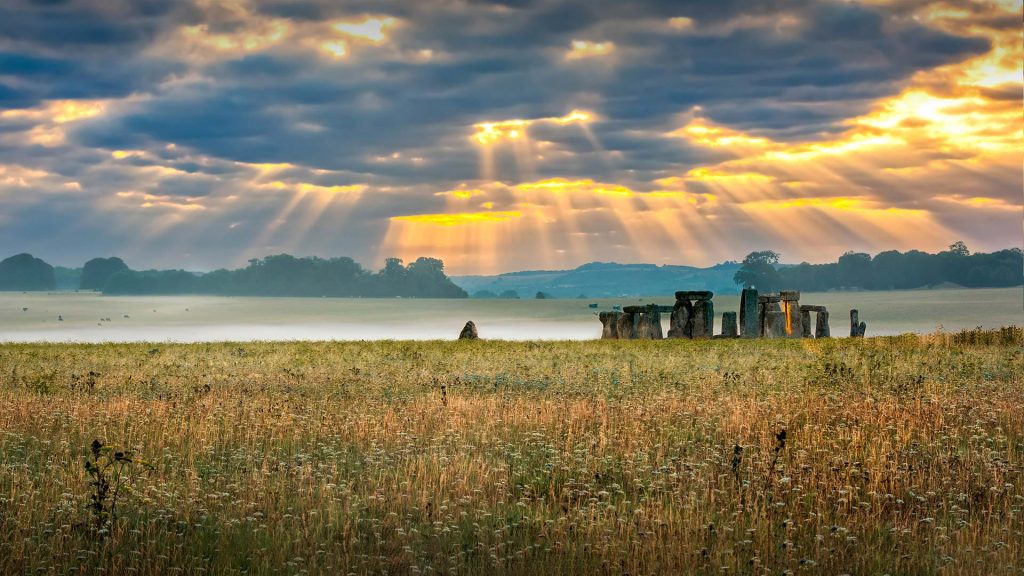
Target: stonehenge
771,315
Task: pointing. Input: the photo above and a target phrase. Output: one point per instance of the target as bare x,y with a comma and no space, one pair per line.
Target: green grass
902,455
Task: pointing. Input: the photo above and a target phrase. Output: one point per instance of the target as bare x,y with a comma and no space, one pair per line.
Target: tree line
890,270
278,275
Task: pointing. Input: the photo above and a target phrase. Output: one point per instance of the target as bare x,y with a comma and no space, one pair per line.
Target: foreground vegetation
884,455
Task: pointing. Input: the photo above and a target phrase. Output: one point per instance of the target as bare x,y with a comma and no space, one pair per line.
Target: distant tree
484,294
25,272
855,270
958,248
509,294
97,271
758,271
541,296
888,270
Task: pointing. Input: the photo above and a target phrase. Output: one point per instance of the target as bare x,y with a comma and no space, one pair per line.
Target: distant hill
606,280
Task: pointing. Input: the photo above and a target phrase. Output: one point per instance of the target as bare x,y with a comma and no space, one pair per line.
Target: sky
507,135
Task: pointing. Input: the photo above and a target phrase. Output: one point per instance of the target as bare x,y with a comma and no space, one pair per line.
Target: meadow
887,455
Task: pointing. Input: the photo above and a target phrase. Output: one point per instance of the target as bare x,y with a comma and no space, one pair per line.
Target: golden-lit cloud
822,194
249,32
583,49
51,117
144,200
681,23
459,218
462,193
371,28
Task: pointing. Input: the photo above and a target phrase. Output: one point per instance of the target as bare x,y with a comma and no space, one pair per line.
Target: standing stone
610,325
653,315
748,313
775,322
854,323
770,303
703,319
469,332
791,307
821,326
805,323
681,321
729,324
624,327
648,322
861,329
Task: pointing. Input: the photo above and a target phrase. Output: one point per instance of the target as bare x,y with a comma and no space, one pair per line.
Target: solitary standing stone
821,327
748,313
729,324
469,332
856,326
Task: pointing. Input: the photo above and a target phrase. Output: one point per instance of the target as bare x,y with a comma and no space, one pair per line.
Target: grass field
900,455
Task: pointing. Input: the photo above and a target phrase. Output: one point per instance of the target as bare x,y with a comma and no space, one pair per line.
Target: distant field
211,319
899,455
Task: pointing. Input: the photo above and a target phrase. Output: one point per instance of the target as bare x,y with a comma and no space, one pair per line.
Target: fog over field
90,317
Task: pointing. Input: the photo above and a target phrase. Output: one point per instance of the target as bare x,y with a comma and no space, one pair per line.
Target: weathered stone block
680,323
748,313
805,323
694,295
790,295
649,325
811,308
821,327
729,328
703,319
625,327
609,325
469,332
775,324
791,308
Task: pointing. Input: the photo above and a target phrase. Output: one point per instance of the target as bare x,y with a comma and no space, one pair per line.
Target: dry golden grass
901,455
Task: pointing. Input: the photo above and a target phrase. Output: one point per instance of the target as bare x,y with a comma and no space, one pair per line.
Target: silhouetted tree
25,272
855,270
758,270
97,271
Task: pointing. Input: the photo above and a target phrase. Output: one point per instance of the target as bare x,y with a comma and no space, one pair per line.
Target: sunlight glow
582,49
372,28
457,219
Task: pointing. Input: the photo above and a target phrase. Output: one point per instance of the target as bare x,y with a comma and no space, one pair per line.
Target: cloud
228,130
